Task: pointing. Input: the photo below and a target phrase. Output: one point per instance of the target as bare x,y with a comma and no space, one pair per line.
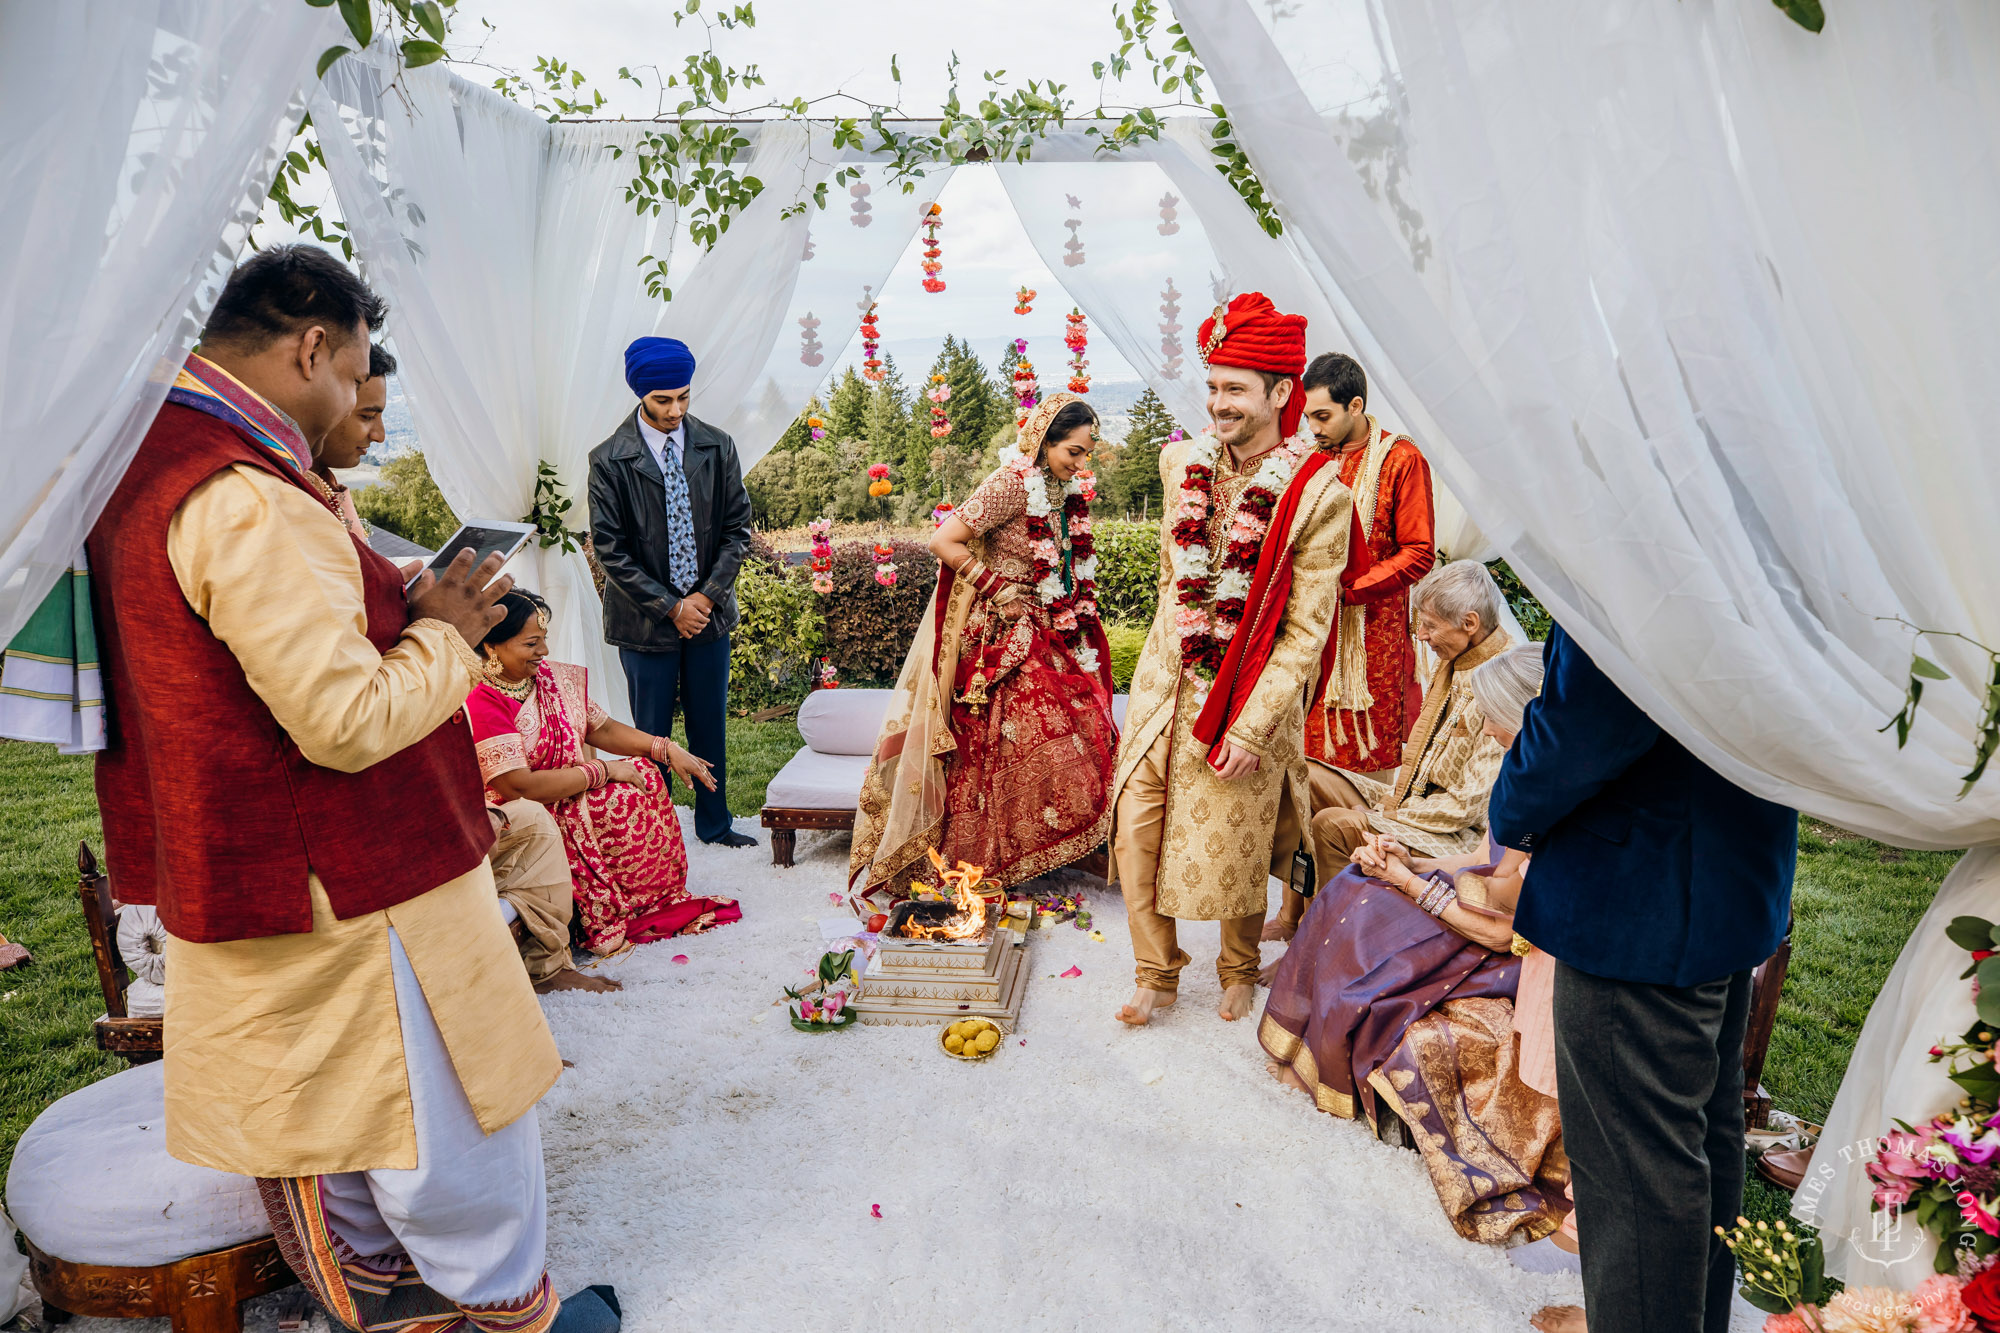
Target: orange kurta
1402,542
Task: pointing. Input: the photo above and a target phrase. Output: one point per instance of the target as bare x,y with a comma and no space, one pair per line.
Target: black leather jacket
628,527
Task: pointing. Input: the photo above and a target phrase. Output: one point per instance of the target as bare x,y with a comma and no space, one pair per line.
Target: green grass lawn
1856,902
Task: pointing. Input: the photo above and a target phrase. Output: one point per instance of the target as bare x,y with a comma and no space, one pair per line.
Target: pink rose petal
680,958
1074,971
835,899
874,1210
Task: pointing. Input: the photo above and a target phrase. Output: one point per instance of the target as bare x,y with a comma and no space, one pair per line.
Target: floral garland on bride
1205,631
1068,610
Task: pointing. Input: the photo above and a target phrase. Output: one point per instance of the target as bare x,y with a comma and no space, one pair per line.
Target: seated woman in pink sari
532,719
1397,996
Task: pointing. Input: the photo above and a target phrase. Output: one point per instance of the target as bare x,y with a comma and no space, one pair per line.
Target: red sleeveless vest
210,810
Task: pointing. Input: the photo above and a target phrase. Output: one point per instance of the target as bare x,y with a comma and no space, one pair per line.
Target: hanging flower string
940,394
879,484
1077,337
1071,607
1205,632
1024,301
871,346
1027,389
829,679
942,512
817,425
933,256
821,563
885,564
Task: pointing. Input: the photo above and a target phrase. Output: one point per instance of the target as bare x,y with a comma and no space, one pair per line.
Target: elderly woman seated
533,721
1396,1002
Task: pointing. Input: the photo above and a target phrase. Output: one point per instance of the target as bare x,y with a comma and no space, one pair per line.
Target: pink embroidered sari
626,857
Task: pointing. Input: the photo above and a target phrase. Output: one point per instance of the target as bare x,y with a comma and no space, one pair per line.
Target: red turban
1251,332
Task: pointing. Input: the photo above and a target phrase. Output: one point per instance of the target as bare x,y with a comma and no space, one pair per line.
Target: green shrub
1127,641
1534,617
776,647
868,626
408,503
1128,570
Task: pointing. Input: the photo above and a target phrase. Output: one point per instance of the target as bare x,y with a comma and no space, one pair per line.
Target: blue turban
653,364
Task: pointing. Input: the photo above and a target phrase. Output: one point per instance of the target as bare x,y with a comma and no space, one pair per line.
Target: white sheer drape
139,141
1697,312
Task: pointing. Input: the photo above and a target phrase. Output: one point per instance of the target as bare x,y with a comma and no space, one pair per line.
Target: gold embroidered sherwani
1220,841
1435,802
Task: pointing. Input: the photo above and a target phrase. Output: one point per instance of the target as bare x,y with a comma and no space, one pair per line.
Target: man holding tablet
290,781
670,522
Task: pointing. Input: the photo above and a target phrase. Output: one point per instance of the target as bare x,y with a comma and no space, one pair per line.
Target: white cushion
814,781
843,721
1118,703
92,1183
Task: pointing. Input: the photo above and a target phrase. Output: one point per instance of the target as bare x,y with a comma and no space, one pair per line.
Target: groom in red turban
1211,792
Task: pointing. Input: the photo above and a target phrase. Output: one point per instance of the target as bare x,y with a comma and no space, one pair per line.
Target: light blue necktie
681,561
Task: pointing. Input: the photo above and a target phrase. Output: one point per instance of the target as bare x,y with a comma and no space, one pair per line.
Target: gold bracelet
1520,947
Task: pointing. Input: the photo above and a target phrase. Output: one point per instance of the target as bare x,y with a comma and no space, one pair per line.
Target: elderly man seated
1435,802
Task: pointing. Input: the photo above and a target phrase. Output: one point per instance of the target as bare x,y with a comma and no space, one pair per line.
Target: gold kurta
284,1056
1435,802
1220,841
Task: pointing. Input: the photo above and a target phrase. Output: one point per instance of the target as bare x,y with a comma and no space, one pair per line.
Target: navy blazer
1648,864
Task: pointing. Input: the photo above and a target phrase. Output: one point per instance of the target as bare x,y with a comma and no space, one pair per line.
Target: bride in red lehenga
999,745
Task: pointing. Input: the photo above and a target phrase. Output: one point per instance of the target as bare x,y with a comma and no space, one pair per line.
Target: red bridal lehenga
626,857
1019,783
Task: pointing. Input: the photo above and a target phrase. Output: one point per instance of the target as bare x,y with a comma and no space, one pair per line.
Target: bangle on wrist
659,749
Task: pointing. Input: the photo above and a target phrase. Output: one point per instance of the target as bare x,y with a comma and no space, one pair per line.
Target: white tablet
482,538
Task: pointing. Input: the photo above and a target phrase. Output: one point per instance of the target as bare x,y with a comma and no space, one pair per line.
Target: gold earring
493,669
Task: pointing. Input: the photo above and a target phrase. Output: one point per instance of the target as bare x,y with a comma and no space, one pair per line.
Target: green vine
547,513
1923,669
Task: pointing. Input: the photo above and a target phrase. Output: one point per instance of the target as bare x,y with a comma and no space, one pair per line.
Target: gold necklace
513,689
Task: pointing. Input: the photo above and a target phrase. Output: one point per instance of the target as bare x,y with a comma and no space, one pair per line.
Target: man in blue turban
670,522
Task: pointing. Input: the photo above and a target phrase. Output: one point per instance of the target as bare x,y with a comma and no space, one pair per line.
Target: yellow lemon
954,1043
987,1040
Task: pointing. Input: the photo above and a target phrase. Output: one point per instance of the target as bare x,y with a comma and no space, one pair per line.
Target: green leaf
418,53
402,9
320,4
1929,670
360,20
1988,1006
1970,932
1808,15
327,57
431,18
1812,1271
1766,1301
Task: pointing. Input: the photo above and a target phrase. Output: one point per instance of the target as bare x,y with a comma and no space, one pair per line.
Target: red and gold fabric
1375,599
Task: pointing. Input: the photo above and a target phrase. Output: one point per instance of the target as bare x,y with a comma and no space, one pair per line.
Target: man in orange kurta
1372,694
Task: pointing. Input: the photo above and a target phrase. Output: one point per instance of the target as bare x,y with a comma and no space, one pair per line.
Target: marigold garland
1077,337
933,263
879,484
1024,301
871,346
885,565
939,394
817,425
1205,631
1027,389
1069,610
821,563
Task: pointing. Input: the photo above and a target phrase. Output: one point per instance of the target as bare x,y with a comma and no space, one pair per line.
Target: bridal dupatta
1023,785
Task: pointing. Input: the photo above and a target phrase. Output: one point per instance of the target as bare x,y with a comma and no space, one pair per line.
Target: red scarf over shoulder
1270,589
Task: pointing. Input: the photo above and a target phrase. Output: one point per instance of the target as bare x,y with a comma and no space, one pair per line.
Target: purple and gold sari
1379,1005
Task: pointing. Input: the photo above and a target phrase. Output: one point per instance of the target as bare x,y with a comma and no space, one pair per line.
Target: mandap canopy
1694,310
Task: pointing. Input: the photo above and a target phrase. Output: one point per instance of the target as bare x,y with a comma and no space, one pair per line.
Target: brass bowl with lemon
970,1039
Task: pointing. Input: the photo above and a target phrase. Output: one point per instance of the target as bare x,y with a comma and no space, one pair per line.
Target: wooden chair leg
53,1314
784,842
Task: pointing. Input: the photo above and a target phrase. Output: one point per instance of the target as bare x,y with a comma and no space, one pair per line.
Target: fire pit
942,959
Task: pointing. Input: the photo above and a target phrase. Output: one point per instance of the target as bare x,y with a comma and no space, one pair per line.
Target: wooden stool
201,1294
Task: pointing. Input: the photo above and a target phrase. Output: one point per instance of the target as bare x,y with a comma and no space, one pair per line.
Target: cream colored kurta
1435,802
284,1056
1219,839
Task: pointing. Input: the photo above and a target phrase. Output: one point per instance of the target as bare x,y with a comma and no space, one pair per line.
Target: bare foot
1144,1002
1278,930
1269,970
571,979
1286,1075
1560,1319
1237,1002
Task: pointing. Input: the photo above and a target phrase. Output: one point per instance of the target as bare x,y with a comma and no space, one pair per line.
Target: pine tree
847,408
976,409
1138,480
1005,377
798,435
886,421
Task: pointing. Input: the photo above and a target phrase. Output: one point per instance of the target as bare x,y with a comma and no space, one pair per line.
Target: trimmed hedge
776,647
868,626
1127,642
1128,570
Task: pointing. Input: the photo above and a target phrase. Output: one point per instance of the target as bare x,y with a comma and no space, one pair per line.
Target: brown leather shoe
1785,1169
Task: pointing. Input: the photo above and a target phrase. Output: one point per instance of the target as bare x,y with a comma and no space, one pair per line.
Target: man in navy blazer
1657,885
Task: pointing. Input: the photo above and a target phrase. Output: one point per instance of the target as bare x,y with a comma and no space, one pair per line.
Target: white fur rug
721,1169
